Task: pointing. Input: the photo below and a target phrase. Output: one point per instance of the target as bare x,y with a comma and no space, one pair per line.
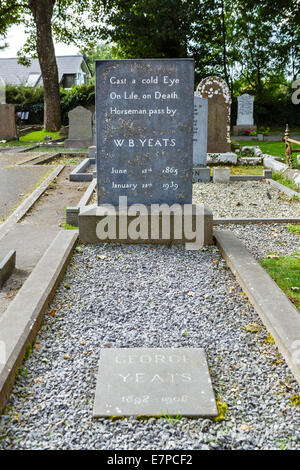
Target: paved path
16,182
33,235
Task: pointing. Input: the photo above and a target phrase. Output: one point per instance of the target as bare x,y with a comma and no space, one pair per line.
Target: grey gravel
264,239
137,296
245,199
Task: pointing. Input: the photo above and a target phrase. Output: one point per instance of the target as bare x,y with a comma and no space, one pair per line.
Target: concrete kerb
21,211
72,213
284,189
79,173
278,314
7,266
21,322
245,221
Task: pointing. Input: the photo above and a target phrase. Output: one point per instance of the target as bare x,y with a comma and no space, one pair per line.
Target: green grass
247,170
69,227
285,270
15,143
294,229
38,136
285,181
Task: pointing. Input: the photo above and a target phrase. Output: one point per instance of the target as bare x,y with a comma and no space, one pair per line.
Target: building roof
16,74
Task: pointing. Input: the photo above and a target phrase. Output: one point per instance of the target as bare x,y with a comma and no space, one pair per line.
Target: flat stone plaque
154,382
144,125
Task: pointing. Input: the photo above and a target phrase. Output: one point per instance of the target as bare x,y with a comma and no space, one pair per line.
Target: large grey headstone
145,130
80,128
245,110
200,131
152,382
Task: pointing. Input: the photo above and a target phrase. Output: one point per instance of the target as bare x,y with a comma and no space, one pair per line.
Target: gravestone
245,119
200,131
218,94
80,128
144,122
8,128
144,130
154,382
200,172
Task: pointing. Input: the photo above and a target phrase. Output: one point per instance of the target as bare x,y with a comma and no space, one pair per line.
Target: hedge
32,100
267,111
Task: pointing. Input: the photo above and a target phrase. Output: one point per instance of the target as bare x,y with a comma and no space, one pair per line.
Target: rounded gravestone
216,90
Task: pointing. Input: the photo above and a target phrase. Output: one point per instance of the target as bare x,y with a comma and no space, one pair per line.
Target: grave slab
154,382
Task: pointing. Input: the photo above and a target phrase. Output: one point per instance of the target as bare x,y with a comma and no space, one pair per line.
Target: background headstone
218,94
154,382
8,128
200,131
145,130
245,110
80,128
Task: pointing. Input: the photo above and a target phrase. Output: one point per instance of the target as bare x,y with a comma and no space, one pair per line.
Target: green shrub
32,100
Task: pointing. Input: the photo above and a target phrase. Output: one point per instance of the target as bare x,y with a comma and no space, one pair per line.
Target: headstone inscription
8,128
154,382
245,120
145,130
215,89
80,128
200,131
245,110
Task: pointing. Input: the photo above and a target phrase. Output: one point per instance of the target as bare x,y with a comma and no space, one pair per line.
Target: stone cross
215,89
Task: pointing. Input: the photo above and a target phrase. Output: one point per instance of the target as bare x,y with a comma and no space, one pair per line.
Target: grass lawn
285,181
15,143
240,170
38,136
285,270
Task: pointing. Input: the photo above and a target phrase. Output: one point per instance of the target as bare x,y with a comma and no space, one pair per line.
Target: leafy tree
45,19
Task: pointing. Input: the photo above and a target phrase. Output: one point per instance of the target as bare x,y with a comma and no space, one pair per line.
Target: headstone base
221,175
78,143
240,130
155,227
201,175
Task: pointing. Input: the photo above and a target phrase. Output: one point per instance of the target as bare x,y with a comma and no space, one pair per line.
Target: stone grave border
26,205
20,323
80,173
268,300
72,213
7,266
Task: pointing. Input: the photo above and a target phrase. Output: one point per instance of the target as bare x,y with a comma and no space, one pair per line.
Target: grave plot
245,199
117,296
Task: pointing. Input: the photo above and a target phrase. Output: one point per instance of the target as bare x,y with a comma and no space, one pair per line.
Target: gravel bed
263,239
245,199
140,296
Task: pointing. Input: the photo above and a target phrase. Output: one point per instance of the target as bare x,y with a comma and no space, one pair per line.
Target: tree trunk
224,45
42,11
